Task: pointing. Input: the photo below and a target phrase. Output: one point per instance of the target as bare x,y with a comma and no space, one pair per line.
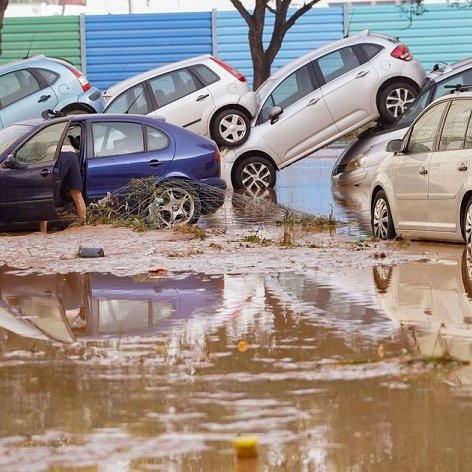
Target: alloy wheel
380,220
256,176
468,225
398,100
232,128
172,206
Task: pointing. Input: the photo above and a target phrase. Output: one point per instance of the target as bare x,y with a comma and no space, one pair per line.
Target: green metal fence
54,36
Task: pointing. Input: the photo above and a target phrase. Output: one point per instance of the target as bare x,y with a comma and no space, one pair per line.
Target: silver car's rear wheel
382,223
174,205
254,173
395,99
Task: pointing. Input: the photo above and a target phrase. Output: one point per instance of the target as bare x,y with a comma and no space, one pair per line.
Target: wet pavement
303,187
359,370
346,371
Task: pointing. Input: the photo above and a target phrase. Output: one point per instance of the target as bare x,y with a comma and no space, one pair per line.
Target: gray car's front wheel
173,205
381,217
254,173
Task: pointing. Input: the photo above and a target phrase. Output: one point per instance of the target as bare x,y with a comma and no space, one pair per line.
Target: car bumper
93,98
351,178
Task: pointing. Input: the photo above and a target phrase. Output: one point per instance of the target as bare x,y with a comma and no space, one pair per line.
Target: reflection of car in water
99,305
434,297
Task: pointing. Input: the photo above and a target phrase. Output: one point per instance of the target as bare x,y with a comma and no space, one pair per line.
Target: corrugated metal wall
119,46
56,36
441,34
314,29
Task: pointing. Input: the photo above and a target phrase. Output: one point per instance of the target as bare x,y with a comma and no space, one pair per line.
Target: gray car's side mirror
10,162
274,114
395,146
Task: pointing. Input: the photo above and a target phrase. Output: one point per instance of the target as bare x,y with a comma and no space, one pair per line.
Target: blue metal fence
314,29
440,34
119,46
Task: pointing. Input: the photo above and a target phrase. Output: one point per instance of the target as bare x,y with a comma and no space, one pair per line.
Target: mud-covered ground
211,251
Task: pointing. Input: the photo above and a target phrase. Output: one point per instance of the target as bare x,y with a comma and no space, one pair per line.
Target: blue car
30,86
112,150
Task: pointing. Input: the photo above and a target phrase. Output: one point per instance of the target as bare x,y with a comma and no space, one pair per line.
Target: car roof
136,79
449,69
328,48
22,62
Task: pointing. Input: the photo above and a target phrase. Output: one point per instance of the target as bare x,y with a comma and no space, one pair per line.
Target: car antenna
30,46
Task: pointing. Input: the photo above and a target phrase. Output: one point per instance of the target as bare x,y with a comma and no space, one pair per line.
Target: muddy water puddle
304,187
162,371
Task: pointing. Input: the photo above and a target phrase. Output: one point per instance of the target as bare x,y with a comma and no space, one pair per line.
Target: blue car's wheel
174,204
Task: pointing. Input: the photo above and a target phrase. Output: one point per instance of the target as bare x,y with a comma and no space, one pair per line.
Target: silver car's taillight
402,52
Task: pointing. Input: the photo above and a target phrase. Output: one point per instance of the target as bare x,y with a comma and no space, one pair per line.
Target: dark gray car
358,162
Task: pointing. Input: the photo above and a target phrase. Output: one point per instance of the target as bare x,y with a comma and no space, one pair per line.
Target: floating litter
245,446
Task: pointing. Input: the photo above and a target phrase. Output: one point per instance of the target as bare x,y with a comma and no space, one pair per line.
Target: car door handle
45,172
313,101
44,98
155,163
362,73
423,171
462,167
202,97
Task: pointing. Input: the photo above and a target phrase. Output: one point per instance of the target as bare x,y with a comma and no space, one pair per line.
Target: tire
381,217
394,99
230,128
254,173
174,204
466,270
467,223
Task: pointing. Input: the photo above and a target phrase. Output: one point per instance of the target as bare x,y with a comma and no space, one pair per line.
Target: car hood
365,141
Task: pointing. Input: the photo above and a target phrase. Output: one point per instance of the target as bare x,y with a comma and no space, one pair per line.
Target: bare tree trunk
3,7
262,59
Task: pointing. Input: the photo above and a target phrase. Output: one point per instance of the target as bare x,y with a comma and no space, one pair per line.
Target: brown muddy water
329,372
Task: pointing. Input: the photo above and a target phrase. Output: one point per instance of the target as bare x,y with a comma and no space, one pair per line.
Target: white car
202,94
320,97
423,188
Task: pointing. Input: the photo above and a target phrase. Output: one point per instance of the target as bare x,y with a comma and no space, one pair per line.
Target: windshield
11,134
416,107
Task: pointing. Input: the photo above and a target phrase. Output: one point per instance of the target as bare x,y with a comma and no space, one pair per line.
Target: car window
117,138
156,139
17,85
462,78
133,100
337,63
290,90
170,87
42,146
205,74
48,75
10,135
370,49
455,125
425,129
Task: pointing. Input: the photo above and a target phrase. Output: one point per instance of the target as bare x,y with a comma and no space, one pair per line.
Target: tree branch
242,11
301,11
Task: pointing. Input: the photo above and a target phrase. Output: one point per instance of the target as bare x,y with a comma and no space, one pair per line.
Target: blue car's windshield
11,134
